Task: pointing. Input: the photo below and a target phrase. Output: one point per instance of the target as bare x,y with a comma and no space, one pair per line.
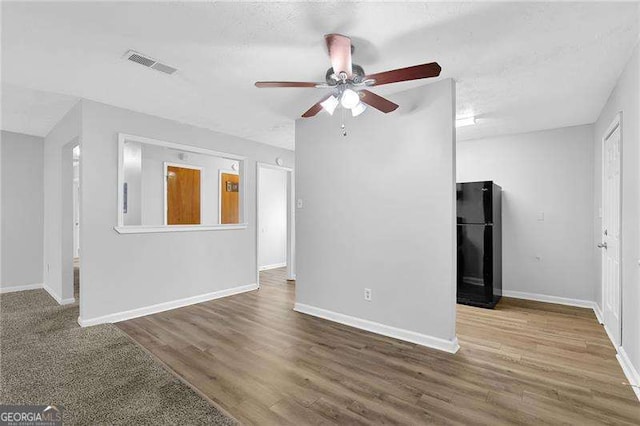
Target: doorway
275,220
76,222
610,232
70,222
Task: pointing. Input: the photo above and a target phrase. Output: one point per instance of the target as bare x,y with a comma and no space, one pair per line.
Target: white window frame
140,229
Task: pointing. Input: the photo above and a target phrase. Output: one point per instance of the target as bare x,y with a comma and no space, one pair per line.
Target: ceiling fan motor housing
357,76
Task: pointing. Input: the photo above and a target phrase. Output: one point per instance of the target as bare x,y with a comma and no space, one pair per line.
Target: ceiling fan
349,82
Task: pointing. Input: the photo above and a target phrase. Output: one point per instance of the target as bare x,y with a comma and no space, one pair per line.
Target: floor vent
148,62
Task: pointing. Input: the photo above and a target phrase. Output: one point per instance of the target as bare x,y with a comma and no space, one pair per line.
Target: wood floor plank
522,363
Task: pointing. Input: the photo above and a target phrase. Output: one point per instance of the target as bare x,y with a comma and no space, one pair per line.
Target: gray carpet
97,373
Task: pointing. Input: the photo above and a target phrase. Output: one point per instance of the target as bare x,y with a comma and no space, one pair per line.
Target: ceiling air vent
163,68
148,62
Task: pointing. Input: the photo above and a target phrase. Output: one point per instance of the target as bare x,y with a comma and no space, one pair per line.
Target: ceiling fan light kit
349,98
358,109
330,104
349,82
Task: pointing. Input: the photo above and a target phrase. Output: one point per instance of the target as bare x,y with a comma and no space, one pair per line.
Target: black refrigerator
479,232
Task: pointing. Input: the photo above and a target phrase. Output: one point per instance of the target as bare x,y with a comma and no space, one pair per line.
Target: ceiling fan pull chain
344,130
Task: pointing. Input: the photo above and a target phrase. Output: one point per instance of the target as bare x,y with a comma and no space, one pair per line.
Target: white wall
58,204
624,98
21,202
272,198
551,173
122,272
378,212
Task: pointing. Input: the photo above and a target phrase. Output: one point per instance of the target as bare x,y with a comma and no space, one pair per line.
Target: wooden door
229,198
183,196
611,235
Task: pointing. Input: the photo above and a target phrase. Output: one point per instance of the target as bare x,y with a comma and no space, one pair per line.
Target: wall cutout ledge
177,228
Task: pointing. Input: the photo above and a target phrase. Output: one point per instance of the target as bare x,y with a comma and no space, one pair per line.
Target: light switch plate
299,203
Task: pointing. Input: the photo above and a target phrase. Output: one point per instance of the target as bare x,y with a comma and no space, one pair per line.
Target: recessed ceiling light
467,121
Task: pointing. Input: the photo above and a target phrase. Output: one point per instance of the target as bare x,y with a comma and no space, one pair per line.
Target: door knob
602,245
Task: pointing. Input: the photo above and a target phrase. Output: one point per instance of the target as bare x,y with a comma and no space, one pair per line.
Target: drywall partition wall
377,213
21,202
547,214
625,99
58,205
133,274
272,197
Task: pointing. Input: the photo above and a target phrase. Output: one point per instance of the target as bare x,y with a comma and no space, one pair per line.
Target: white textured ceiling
519,66
32,112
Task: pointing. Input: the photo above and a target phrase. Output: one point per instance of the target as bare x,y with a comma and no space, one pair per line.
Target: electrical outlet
367,294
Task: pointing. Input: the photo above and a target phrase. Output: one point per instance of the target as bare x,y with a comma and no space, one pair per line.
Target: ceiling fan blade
264,84
316,108
339,47
376,101
415,72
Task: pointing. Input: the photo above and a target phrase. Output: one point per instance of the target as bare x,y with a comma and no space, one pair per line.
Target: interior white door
610,246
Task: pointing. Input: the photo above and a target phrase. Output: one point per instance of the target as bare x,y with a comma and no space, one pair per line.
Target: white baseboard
633,377
549,299
598,312
578,303
57,298
166,306
23,287
610,336
450,346
273,266
36,287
